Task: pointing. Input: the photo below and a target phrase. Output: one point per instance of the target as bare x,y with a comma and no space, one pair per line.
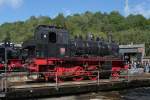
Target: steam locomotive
52,50
10,54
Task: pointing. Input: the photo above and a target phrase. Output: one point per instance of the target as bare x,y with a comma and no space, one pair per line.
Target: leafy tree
133,28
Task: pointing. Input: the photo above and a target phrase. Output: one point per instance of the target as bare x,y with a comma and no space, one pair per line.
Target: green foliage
134,28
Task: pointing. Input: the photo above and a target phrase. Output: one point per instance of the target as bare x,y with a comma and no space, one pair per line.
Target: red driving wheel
78,74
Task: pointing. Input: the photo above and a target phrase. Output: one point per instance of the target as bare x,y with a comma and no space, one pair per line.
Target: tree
59,20
134,28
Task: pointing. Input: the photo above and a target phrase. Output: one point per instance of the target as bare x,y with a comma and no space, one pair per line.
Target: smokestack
126,9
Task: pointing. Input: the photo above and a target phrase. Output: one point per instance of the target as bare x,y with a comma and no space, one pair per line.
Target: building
132,52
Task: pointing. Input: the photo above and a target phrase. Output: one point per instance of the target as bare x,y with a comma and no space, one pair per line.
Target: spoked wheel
93,75
78,74
115,75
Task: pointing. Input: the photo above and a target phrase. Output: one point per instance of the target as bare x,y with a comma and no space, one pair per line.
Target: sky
20,10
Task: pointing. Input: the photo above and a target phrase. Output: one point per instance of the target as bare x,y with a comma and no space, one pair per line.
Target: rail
9,79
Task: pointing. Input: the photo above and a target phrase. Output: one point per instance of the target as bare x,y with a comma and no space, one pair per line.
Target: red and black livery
52,50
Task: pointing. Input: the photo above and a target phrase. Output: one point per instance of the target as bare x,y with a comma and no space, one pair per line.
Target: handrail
4,78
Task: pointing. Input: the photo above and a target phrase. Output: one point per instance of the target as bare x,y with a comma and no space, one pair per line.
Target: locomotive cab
49,41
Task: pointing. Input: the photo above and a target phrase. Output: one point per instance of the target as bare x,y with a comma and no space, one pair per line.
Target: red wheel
93,78
115,75
78,74
93,75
